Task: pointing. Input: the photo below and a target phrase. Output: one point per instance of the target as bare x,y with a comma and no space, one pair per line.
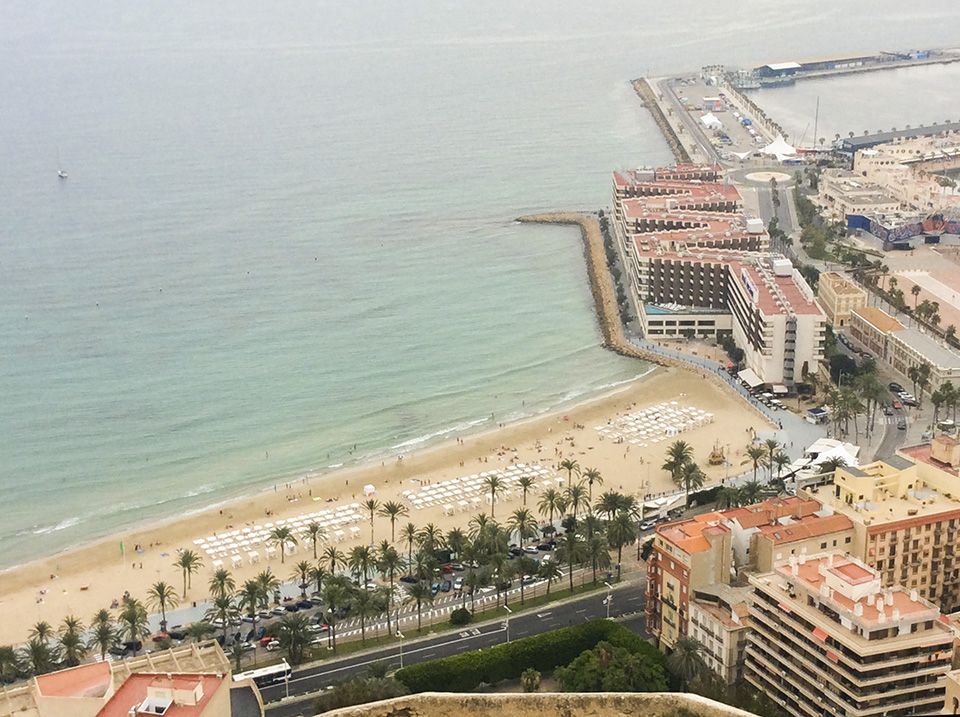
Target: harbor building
841,193
838,297
699,266
829,637
905,512
903,348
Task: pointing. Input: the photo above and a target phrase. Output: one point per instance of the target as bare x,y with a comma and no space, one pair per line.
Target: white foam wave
62,525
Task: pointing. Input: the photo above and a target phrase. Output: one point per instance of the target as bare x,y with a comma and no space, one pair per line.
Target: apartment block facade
838,297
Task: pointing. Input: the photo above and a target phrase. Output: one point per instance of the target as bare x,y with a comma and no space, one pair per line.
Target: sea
287,239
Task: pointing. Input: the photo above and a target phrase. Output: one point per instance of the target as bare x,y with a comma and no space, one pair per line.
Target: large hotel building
699,267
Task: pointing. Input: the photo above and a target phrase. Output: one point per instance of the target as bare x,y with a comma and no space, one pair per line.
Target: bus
266,676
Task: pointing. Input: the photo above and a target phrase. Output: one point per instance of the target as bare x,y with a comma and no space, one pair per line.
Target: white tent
750,377
369,490
779,149
710,121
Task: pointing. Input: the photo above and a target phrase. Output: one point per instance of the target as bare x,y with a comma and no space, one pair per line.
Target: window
847,540
823,545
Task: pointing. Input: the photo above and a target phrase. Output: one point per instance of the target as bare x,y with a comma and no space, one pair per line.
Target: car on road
528,579
545,547
408,579
902,425
895,387
647,525
457,567
458,584
897,405
435,588
445,586
887,410
531,550
316,629
292,607
305,604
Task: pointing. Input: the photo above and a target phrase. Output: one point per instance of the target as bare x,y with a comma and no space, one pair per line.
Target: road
627,602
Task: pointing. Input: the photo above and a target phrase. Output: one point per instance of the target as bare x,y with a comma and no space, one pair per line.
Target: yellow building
906,516
838,297
871,327
829,638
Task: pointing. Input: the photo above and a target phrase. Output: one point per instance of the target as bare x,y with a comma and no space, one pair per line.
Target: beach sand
99,568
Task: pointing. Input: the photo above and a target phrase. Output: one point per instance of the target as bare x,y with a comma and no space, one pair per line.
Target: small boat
61,174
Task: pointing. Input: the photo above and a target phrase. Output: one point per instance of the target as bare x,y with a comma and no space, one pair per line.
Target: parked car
887,410
292,607
647,525
515,551
458,567
445,586
528,579
545,547
177,633
273,645
266,640
895,387
408,579
896,404
458,584
435,588
531,550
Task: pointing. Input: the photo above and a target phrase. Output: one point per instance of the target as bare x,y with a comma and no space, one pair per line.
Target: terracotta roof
134,691
879,319
811,526
84,681
689,535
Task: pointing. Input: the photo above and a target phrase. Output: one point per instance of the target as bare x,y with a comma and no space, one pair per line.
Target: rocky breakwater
649,98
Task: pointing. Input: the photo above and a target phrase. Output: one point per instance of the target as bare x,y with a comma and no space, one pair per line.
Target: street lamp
507,621
609,597
400,635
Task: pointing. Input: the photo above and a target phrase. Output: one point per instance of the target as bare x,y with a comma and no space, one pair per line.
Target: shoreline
439,442
92,576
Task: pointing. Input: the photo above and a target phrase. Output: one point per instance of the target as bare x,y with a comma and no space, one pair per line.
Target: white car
458,584
647,525
273,645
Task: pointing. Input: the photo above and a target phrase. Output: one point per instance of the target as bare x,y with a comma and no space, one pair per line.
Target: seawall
649,98
605,299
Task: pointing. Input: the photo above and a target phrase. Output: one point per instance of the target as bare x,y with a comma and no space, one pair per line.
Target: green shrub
460,616
543,652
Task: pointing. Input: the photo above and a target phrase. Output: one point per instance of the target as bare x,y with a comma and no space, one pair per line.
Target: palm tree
679,453
393,510
293,636
334,557
363,604
9,664
621,531
71,641
756,454
692,477
570,551
611,502
103,633
133,621
222,583
335,594
570,466
551,502
780,460
282,536
250,598
409,534
389,564
37,657
42,630
522,523
727,496
160,595
549,571
269,585
319,574
830,465
598,550
222,610
772,445
686,660
750,492
301,576
430,537
419,593
592,475
525,483
371,504
455,541
314,532
360,560
915,290
200,630
576,499
189,562
494,483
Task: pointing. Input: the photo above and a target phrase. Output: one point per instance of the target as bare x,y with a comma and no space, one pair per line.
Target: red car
266,640
896,404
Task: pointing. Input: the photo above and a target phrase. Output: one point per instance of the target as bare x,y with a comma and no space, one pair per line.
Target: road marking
580,612
542,615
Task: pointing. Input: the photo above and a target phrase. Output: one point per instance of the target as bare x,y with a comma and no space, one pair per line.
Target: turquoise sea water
288,227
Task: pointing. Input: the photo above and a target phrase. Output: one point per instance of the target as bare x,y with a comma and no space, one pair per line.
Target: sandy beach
91,577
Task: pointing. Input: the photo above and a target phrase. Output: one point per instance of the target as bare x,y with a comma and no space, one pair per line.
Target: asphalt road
627,601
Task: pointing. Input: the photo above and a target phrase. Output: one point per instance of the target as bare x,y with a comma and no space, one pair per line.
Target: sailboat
60,173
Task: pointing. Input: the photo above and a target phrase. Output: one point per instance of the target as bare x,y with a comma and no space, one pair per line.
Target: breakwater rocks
605,297
649,98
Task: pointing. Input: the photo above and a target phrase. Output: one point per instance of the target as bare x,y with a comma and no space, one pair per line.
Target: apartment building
905,512
687,555
699,267
719,622
902,347
907,170
187,681
838,297
715,548
828,637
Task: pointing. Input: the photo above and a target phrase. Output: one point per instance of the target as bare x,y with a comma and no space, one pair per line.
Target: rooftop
777,294
690,535
855,143
932,350
879,319
91,680
137,688
839,283
811,526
